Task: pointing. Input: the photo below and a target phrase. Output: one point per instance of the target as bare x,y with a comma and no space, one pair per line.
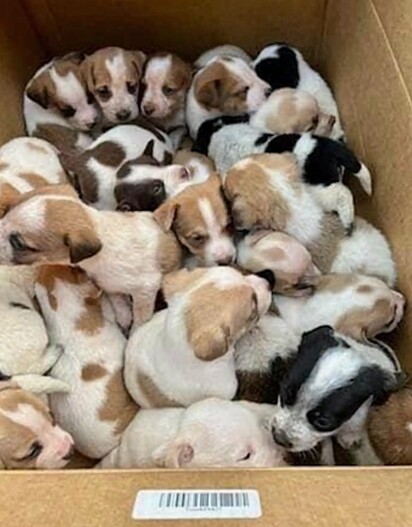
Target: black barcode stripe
195,500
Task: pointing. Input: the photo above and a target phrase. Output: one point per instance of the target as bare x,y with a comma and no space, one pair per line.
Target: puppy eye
104,92
90,97
131,87
320,422
35,450
243,92
157,188
197,239
18,244
247,456
67,111
167,90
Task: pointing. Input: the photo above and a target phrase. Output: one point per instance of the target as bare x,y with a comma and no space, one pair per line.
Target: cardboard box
363,47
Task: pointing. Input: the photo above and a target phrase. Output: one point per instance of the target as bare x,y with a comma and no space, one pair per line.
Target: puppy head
289,111
229,86
165,81
113,76
61,87
29,439
332,382
220,305
255,199
49,224
200,219
217,433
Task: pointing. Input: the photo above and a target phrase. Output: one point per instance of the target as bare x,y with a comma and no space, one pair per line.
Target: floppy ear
82,244
175,455
166,213
211,342
208,86
38,90
138,59
256,235
77,57
86,68
178,281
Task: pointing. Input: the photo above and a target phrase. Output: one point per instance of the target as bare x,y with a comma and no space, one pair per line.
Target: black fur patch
210,127
281,71
4,377
282,143
147,195
262,139
19,305
269,276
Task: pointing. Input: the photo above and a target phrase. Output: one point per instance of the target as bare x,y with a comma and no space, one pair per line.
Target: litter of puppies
184,281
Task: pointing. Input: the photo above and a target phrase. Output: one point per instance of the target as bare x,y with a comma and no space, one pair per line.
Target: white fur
218,248
219,51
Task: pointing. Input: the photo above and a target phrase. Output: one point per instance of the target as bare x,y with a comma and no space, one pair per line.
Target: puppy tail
40,384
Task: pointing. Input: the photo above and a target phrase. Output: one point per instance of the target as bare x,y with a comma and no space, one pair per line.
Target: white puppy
210,433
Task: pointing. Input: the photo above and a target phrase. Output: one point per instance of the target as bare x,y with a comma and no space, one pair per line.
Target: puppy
25,164
330,388
208,311
81,319
290,111
266,192
199,165
210,433
122,253
289,261
225,85
283,66
58,106
226,50
113,77
200,219
165,82
110,172
29,437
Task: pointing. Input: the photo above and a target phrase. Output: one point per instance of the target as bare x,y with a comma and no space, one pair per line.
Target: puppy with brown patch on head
265,191
29,437
210,433
80,318
185,353
126,168
58,106
123,253
113,77
27,163
199,217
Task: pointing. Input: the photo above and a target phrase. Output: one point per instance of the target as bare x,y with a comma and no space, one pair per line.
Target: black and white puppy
330,388
283,66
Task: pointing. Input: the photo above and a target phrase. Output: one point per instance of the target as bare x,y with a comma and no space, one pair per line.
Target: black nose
123,115
280,438
92,124
148,110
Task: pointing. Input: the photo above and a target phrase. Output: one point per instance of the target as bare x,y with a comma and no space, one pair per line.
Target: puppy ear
82,244
138,59
166,214
38,90
178,281
178,455
208,86
210,343
253,237
87,70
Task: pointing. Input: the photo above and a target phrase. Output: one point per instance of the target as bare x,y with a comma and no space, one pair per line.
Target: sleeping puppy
110,171
225,85
199,165
113,77
355,305
289,261
80,318
58,106
199,217
283,66
27,163
266,192
124,254
227,50
330,388
210,433
29,437
208,311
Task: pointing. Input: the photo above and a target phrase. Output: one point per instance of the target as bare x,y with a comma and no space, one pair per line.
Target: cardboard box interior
363,49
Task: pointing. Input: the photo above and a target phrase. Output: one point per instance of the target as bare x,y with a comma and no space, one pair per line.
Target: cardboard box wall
364,48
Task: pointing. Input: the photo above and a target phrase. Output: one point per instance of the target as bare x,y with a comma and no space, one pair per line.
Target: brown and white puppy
219,51
355,305
185,353
29,437
199,217
80,318
225,85
58,106
113,77
122,253
165,82
265,191
27,163
199,165
290,111
289,261
210,433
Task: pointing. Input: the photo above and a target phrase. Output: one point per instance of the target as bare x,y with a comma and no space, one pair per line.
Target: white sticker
192,504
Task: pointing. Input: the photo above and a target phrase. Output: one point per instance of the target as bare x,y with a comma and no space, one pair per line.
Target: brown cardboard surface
290,497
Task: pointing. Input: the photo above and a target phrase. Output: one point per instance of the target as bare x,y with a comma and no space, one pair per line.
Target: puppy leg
122,310
337,198
51,355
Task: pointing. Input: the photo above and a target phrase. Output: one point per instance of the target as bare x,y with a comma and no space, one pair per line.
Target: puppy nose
268,91
281,438
123,115
92,124
227,260
148,109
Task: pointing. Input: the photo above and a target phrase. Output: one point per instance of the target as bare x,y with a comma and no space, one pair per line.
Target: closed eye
18,244
246,457
35,450
67,111
243,92
131,87
168,90
104,92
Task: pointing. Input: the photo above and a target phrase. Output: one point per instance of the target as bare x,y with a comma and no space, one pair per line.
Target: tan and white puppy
290,111
29,437
265,191
210,433
199,165
27,163
355,305
185,353
165,82
199,217
289,261
219,51
122,253
80,318
113,77
57,104
225,85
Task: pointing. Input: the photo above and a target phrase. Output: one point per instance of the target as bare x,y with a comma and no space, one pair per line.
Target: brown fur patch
4,166
49,274
62,137
181,280
336,282
362,323
325,248
170,253
153,394
108,153
364,289
93,372
91,320
9,196
33,179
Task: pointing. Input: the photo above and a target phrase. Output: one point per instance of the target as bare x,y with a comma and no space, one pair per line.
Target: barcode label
179,504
